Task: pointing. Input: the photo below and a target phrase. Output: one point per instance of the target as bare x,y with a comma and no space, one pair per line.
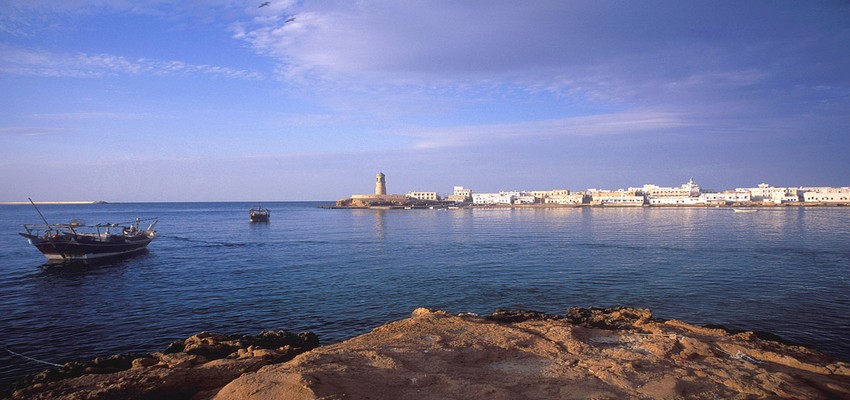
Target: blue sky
223,100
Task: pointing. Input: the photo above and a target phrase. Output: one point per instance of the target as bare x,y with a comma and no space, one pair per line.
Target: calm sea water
340,273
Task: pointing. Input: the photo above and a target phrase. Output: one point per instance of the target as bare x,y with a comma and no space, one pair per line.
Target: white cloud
29,131
594,125
629,54
17,61
100,115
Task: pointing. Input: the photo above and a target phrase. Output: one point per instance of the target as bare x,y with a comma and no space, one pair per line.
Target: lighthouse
380,184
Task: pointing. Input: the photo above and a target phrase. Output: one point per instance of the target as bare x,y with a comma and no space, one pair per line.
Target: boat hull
258,215
72,249
259,218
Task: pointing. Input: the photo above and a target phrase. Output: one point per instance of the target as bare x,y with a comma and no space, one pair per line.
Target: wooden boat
259,214
744,210
79,242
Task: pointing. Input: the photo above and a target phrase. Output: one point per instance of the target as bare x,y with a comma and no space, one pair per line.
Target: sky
225,100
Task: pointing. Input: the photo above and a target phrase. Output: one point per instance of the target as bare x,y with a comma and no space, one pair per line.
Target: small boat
259,214
744,210
80,242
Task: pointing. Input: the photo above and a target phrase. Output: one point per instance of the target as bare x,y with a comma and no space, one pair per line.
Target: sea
342,272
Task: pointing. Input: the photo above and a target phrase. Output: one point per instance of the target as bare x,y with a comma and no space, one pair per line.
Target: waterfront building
542,196
460,195
570,198
676,201
727,196
423,196
524,198
494,198
827,195
690,189
777,195
616,197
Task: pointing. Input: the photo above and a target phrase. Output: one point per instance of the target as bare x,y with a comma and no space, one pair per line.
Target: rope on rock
741,356
32,359
738,356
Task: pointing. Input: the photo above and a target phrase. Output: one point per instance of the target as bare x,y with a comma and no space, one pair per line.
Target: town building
686,194
826,195
569,198
616,197
524,198
727,196
494,198
460,195
432,196
765,193
690,189
541,196
675,201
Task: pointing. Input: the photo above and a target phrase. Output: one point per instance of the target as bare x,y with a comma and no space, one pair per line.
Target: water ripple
343,272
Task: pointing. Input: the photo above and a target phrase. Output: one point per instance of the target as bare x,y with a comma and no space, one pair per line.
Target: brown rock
589,353
433,355
193,368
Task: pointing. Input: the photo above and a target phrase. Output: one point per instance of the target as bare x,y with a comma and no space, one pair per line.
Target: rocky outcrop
193,368
511,354
589,353
367,202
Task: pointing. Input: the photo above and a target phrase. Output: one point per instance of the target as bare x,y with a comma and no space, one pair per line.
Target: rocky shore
584,353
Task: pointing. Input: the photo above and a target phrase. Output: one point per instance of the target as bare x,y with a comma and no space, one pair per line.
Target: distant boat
79,242
259,214
744,210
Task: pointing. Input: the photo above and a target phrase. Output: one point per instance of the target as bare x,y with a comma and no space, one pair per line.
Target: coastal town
687,194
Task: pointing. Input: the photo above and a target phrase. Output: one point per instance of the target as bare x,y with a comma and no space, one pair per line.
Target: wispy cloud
633,54
18,61
100,115
30,131
594,125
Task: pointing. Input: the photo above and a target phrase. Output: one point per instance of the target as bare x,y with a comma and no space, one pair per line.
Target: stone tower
380,184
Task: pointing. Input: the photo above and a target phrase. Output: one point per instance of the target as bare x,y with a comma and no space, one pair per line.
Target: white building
494,198
460,195
423,195
571,198
769,194
616,197
676,201
727,196
680,194
826,195
524,198
541,196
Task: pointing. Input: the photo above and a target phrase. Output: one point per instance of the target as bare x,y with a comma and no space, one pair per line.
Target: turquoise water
340,273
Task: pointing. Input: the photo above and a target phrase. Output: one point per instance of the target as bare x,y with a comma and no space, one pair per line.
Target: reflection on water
81,265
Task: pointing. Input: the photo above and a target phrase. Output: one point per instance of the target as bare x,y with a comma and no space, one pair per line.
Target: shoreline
617,352
594,206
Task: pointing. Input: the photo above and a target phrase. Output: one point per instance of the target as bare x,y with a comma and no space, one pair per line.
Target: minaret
380,184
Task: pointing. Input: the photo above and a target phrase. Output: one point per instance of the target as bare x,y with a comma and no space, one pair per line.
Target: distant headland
72,202
687,195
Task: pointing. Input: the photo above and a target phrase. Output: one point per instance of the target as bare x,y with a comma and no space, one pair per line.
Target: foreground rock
526,355
586,353
193,368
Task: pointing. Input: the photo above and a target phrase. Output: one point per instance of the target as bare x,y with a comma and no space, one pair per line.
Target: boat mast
39,213
49,228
